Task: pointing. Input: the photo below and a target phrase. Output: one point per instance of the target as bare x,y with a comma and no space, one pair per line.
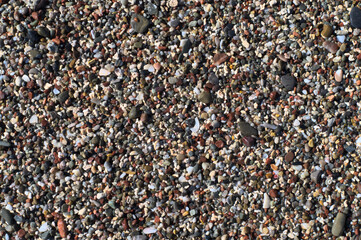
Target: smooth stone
44,32
34,54
186,45
181,157
220,58
247,130
109,67
289,157
8,216
266,201
341,38
330,46
172,80
212,78
34,119
104,72
18,81
134,113
355,17
174,23
205,97
326,31
248,141
152,9
137,45
63,96
289,82
4,144
139,237
338,75
316,176
108,166
139,23
46,235
149,230
339,224
44,227
33,37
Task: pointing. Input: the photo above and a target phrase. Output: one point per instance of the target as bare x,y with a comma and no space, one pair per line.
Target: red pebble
248,141
62,228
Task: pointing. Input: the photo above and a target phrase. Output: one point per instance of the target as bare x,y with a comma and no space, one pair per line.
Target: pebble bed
180,119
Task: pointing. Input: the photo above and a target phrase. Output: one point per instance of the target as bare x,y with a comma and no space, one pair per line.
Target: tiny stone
273,193
338,75
205,97
289,157
316,176
248,141
289,82
339,224
139,23
327,31
33,119
103,72
8,216
63,96
220,58
247,130
172,80
134,113
330,46
266,201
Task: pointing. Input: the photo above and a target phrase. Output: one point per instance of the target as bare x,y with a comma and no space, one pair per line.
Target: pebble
104,72
139,23
266,201
339,224
326,31
62,228
63,96
172,80
220,58
316,176
8,216
338,75
248,141
205,97
34,119
355,17
134,113
149,230
289,157
247,130
288,82
330,46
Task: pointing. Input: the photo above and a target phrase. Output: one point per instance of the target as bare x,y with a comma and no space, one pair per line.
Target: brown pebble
62,228
330,46
21,233
144,117
220,144
273,193
248,141
220,58
35,15
137,9
289,157
273,95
